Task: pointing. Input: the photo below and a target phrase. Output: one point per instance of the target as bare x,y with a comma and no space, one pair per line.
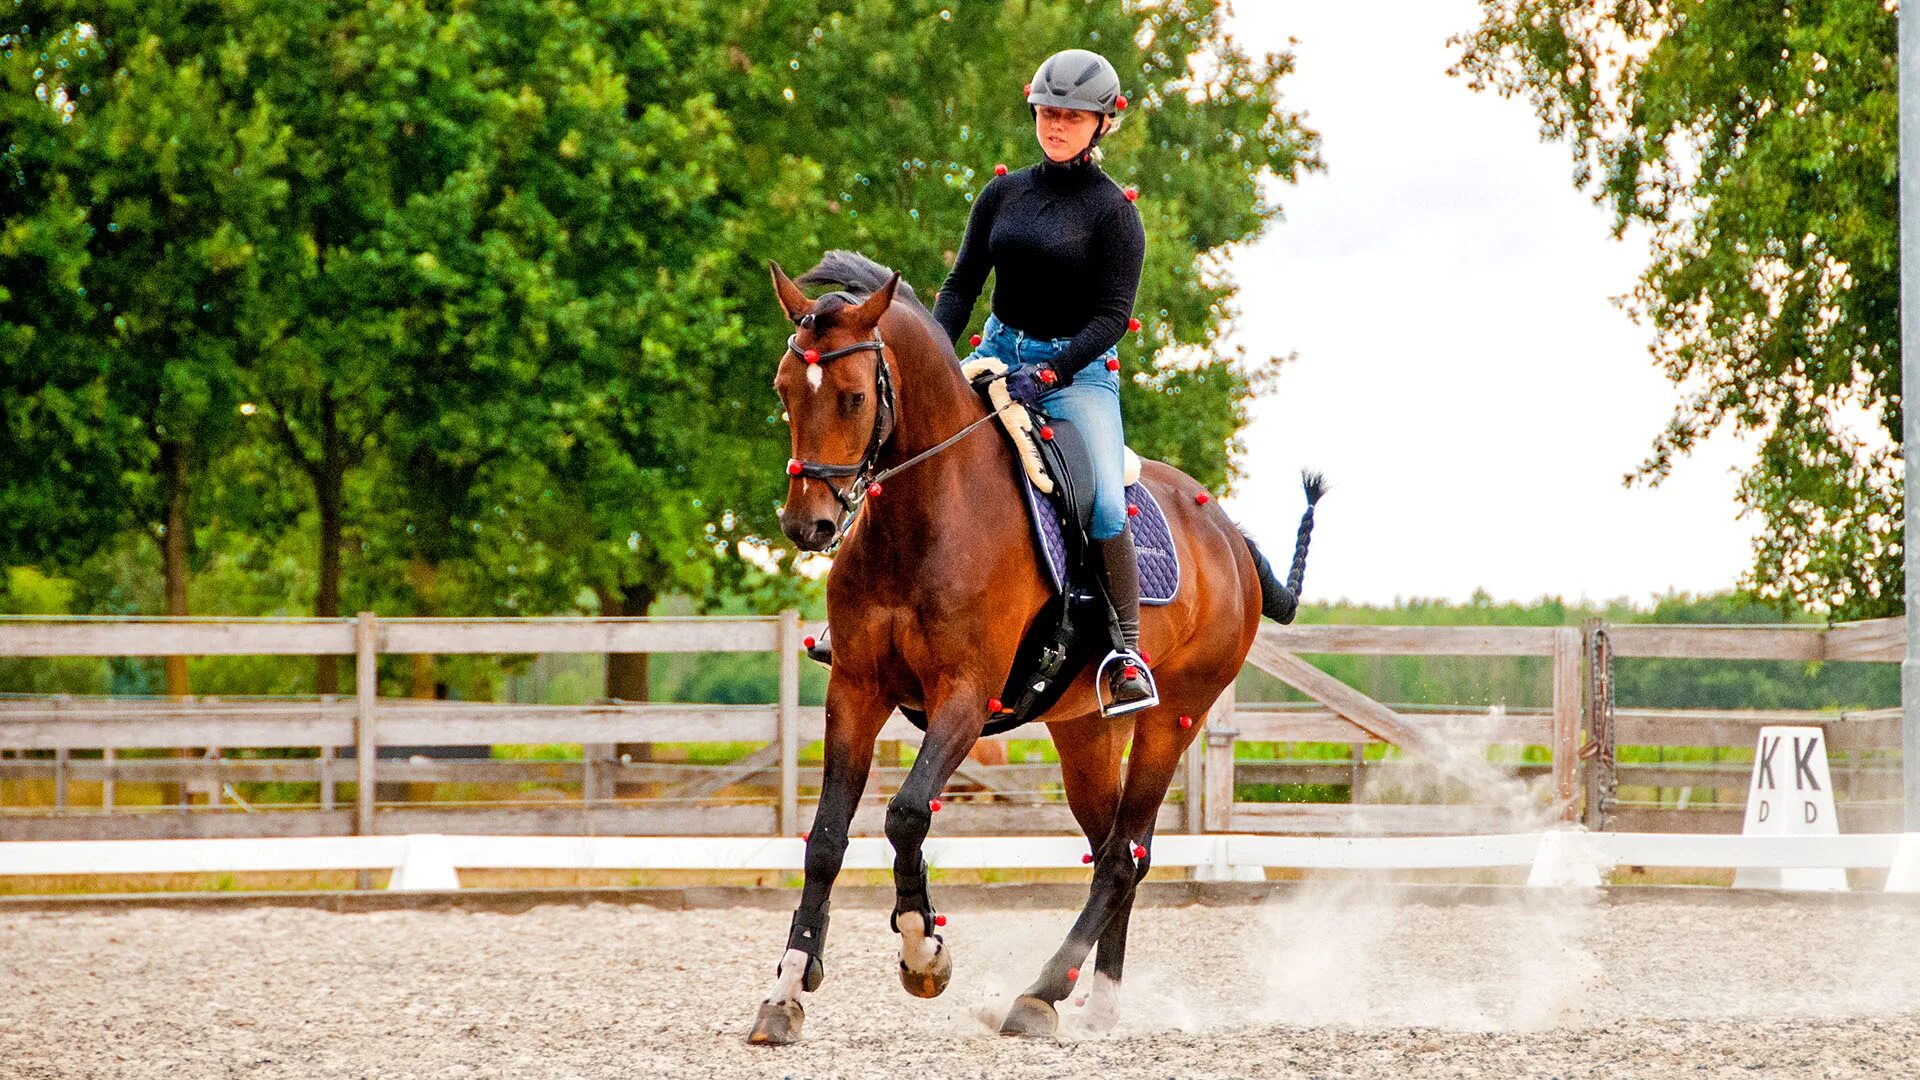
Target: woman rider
1065,245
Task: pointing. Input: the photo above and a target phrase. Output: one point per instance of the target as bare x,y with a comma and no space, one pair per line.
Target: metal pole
1910,395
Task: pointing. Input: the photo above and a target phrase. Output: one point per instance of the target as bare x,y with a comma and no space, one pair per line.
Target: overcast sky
1464,378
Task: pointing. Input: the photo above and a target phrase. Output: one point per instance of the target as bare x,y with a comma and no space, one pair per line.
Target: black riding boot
1128,682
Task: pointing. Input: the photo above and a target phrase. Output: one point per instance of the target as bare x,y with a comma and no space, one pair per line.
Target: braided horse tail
1279,601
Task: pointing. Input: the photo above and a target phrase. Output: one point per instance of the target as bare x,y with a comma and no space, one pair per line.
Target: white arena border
1554,858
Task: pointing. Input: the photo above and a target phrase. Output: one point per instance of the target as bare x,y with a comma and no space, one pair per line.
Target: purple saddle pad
1152,542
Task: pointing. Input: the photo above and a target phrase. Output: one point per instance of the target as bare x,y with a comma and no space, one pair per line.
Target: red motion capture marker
934,806
1202,498
793,468
939,920
1133,511
974,341
1186,722
993,704
1133,324
1139,852
1046,433
1113,364
1120,103
873,491
811,356
1131,193
809,641
1047,376
1130,672
1073,974
999,169
1027,89
1087,858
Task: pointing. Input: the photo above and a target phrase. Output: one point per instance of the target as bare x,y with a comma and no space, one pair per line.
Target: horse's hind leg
854,716
953,726
1120,862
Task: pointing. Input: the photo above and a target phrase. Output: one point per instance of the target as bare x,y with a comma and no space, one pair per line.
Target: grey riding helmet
1077,79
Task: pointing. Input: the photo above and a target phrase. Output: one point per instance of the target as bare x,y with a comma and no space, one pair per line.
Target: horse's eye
851,403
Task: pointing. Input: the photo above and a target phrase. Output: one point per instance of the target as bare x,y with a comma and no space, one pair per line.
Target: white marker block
1791,794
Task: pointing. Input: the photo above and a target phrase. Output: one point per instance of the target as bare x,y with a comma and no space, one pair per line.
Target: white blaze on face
815,376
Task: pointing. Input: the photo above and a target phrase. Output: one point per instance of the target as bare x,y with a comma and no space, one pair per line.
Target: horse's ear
792,299
870,309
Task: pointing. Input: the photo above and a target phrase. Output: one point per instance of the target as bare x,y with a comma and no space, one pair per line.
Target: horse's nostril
822,530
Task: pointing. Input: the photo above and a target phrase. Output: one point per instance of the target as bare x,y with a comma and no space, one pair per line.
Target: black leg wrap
911,898
809,935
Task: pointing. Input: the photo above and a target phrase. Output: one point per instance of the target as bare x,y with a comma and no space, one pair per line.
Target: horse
933,585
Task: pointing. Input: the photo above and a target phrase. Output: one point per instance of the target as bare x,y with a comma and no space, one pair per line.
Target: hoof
778,1024
1031,1017
929,983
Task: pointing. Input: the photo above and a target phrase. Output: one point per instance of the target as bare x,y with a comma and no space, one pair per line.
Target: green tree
1757,144
126,255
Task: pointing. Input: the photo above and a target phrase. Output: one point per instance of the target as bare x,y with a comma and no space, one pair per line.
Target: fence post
60,758
366,681
107,758
1566,720
1193,786
1217,808
789,723
1598,753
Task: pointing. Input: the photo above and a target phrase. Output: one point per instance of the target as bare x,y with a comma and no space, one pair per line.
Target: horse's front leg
953,726
855,713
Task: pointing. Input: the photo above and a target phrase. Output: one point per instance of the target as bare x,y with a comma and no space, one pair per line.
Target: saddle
1058,481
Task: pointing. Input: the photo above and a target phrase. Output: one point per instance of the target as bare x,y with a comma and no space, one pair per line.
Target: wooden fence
768,791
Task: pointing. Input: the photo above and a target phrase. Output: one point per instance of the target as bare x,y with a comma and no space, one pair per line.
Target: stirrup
820,650
1110,707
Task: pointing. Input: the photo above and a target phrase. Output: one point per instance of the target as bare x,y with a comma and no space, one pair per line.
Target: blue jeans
1091,403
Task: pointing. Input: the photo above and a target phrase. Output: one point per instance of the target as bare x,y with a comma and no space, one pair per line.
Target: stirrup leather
1110,707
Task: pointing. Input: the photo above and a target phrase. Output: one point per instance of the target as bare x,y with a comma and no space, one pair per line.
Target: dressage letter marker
1791,795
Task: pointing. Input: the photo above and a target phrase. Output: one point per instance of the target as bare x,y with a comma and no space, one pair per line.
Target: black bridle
862,471
867,478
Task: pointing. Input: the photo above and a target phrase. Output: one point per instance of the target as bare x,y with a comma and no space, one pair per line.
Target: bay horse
933,586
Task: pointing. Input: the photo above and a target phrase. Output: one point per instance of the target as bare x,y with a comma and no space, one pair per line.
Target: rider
1065,244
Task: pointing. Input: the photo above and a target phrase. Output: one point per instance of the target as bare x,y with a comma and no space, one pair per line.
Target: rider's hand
1029,384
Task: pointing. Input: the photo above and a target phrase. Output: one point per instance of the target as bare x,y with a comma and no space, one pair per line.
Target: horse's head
839,400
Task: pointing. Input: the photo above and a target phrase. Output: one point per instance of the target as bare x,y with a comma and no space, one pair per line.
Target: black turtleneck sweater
1065,247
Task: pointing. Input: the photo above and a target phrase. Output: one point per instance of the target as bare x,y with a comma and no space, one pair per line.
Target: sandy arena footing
1331,980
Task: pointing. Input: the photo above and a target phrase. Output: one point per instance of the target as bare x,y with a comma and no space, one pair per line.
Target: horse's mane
858,274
